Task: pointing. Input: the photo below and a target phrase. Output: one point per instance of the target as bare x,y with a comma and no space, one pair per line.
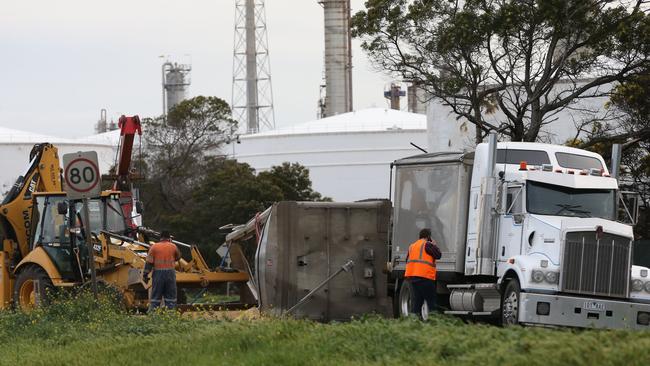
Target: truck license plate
594,305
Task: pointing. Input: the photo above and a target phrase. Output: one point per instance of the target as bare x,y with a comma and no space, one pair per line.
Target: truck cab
529,233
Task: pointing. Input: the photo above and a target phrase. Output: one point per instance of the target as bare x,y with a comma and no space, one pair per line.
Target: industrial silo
176,80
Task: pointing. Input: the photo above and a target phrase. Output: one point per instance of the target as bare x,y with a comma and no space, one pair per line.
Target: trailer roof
438,157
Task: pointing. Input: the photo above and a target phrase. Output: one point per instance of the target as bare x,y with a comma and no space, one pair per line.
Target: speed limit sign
81,175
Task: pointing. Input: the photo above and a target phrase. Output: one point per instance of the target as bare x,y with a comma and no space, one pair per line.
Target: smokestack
393,95
415,98
492,153
338,57
617,149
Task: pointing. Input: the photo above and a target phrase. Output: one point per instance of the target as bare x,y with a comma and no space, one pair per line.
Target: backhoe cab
58,254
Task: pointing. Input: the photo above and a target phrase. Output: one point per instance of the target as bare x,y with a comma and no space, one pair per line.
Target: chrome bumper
581,312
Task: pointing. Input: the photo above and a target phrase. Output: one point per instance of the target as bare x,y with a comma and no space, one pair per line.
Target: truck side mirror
139,208
518,218
62,208
628,207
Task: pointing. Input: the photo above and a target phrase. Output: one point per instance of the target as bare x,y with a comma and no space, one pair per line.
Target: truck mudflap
561,310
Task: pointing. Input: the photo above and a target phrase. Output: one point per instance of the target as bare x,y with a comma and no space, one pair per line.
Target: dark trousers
423,290
163,288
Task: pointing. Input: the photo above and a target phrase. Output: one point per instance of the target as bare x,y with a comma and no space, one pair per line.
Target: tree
229,193
224,192
630,107
192,190
529,58
177,147
293,180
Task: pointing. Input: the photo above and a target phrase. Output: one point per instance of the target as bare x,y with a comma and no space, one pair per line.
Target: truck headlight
538,276
637,285
551,277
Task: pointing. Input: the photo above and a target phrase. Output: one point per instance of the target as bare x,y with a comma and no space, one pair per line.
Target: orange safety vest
163,255
420,263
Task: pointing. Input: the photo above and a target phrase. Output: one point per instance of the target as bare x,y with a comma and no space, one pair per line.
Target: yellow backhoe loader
44,245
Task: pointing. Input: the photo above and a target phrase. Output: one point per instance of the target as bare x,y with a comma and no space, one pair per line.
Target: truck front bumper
562,310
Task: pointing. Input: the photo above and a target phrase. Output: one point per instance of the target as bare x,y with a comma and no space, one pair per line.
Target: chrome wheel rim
405,304
405,301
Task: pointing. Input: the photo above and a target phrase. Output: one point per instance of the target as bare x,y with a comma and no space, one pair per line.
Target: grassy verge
75,332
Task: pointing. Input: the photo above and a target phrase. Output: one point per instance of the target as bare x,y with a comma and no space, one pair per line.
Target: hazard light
523,165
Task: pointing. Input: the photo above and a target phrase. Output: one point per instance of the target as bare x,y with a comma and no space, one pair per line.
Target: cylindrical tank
16,145
416,97
348,155
175,86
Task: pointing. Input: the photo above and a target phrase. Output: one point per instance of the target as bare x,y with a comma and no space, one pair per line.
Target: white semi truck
529,234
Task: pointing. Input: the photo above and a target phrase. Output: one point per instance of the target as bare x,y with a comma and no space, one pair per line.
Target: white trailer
529,233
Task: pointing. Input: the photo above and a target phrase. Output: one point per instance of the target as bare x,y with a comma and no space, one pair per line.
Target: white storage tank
348,155
15,146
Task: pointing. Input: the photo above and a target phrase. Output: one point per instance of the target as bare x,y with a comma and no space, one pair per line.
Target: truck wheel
404,301
510,303
32,289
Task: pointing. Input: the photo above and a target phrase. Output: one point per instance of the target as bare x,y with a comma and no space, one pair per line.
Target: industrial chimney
338,57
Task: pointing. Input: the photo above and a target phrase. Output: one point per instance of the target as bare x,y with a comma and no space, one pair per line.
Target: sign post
83,181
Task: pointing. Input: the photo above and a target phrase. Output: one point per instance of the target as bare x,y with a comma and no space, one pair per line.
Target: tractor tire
33,289
510,303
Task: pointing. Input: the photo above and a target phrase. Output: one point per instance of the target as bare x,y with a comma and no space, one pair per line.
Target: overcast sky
62,61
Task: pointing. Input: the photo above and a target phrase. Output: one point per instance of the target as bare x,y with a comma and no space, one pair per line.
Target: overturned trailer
320,260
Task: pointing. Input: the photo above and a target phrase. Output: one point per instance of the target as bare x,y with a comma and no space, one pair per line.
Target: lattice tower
252,95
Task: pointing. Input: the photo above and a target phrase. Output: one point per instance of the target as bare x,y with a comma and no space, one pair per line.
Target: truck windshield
549,199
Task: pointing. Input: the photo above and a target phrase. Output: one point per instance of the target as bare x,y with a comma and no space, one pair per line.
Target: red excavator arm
129,126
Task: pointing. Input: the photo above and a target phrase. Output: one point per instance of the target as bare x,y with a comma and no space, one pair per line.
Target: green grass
75,332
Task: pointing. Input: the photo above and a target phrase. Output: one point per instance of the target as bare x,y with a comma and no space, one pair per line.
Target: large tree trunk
517,131
536,118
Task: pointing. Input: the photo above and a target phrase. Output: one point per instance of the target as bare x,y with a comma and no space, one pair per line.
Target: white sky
62,61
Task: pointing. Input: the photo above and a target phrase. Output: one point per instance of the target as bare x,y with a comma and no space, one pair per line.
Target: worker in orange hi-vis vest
162,259
421,272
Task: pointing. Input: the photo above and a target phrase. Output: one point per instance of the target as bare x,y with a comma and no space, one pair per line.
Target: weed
77,330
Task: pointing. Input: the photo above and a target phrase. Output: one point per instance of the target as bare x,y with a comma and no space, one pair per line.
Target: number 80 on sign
81,174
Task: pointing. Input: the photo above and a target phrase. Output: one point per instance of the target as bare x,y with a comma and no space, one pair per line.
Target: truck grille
596,267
